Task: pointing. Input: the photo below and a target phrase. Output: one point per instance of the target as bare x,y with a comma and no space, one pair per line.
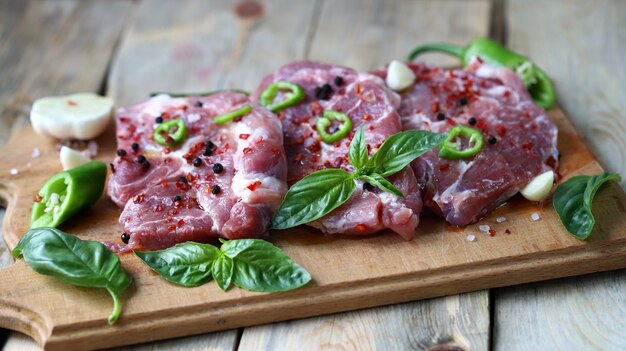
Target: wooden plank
373,33
580,45
196,46
459,322
50,48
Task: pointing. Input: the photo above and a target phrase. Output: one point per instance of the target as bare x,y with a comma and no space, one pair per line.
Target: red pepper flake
71,102
361,228
167,150
371,128
247,150
501,129
492,232
314,158
300,140
181,222
254,185
367,117
37,198
434,107
223,149
281,115
158,208
244,136
165,115
506,93
527,145
112,168
275,149
533,127
137,199
450,121
444,167
164,183
168,219
481,124
358,88
173,212
551,162
171,227
298,157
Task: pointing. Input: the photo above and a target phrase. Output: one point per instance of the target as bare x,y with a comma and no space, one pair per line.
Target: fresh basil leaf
261,266
382,183
401,149
187,264
357,154
223,269
52,252
232,248
573,199
313,197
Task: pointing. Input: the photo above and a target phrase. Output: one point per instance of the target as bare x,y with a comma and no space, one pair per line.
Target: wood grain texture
455,321
197,45
372,33
581,46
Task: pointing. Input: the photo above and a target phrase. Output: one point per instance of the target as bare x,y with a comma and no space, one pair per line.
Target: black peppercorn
145,165
492,140
177,198
367,186
338,81
218,168
198,104
121,152
441,116
159,120
197,162
215,189
209,144
141,159
135,146
472,121
125,238
183,180
463,101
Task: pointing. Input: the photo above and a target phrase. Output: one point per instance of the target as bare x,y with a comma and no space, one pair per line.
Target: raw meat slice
197,190
520,140
366,100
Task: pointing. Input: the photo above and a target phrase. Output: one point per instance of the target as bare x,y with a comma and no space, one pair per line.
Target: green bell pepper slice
227,117
67,193
492,53
171,132
295,95
448,148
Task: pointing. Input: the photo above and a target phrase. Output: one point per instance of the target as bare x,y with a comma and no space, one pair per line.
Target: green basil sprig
320,192
250,264
572,201
52,252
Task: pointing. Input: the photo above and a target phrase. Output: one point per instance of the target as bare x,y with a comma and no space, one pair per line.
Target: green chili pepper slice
448,148
171,132
536,81
267,96
227,117
322,124
67,193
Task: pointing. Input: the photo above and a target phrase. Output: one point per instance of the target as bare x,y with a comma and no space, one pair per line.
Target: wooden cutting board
349,273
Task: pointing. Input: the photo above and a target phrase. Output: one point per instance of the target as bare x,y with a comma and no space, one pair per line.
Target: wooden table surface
126,48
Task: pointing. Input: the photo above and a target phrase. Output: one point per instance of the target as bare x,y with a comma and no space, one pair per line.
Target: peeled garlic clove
399,76
539,187
77,116
71,158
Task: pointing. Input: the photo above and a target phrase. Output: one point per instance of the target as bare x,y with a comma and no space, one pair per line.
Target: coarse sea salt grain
535,216
484,228
36,153
14,171
471,238
500,219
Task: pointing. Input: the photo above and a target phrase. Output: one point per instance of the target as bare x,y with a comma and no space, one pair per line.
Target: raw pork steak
520,140
222,180
366,100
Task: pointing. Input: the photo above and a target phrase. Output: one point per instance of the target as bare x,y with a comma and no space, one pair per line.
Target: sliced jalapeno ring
227,117
171,132
323,123
295,95
448,148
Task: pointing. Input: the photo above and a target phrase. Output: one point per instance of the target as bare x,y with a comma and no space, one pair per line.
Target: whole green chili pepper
448,148
171,132
67,193
227,117
267,96
535,79
322,123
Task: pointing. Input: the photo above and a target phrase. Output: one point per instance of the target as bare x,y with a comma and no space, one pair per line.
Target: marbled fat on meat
173,200
498,104
366,100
